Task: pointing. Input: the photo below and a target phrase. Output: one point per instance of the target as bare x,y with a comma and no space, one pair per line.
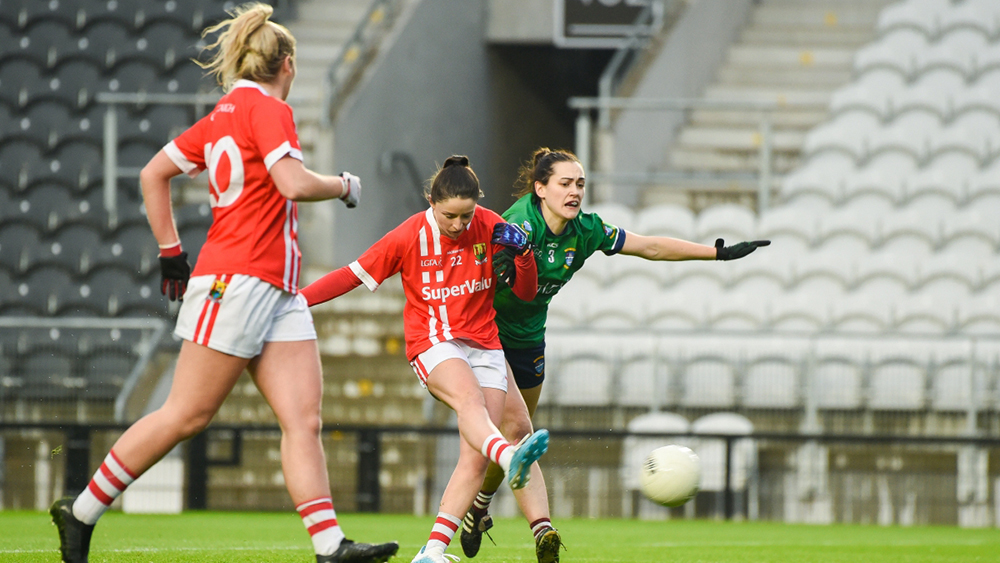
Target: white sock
320,520
108,483
498,450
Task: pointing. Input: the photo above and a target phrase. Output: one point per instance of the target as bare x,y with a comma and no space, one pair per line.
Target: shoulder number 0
226,196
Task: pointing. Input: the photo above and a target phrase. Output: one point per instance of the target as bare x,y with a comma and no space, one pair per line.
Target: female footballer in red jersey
445,256
241,308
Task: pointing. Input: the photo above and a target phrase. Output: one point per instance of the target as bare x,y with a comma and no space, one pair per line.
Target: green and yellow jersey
522,323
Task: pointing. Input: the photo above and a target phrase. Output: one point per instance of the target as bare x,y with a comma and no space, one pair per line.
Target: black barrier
369,451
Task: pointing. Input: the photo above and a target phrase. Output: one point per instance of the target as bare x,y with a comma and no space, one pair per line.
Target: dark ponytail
454,179
539,169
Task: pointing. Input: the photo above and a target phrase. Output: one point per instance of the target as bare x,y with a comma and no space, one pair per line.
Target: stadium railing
115,99
586,137
147,346
355,54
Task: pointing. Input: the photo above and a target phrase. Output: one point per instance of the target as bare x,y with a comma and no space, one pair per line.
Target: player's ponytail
249,46
454,179
539,169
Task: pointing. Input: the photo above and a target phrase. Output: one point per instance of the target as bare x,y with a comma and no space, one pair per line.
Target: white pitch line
165,549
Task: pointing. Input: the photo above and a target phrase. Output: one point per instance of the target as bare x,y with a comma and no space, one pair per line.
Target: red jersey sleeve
272,128
383,259
187,151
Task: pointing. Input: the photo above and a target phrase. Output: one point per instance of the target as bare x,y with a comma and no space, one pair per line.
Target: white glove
352,189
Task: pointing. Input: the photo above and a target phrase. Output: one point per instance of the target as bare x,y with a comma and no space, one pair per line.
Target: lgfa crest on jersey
610,230
218,289
526,226
570,253
479,249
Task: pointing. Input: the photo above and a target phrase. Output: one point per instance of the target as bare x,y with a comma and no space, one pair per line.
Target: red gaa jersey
254,228
449,284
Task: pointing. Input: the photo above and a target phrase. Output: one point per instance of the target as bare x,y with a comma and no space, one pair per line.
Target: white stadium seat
570,307
911,133
898,376
956,50
986,181
972,222
896,51
814,182
713,451
933,92
709,381
678,307
642,376
789,222
859,219
948,174
924,16
667,220
974,132
981,15
838,374
847,133
729,221
885,174
623,304
772,377
612,213
584,381
875,92
982,94
740,310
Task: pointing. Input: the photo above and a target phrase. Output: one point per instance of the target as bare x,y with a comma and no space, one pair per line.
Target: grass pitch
216,537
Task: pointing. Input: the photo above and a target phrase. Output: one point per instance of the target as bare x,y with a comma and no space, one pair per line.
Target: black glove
738,250
503,266
174,274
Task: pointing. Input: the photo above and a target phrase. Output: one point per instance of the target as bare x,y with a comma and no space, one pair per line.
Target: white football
671,475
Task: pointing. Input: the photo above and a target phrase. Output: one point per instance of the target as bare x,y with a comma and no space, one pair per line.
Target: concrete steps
793,52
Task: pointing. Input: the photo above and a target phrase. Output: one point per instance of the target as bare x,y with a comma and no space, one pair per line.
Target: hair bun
456,160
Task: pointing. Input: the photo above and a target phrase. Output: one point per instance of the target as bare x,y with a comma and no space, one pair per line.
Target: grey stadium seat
19,247
49,374
79,81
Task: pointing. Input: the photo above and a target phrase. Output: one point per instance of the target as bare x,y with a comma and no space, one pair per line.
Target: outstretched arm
331,286
666,248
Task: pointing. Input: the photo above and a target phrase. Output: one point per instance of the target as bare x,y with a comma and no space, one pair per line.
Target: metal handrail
158,326
379,12
113,99
585,126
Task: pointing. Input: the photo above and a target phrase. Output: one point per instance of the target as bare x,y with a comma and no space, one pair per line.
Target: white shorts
236,314
488,365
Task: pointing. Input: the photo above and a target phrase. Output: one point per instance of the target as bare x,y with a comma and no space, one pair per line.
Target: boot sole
547,549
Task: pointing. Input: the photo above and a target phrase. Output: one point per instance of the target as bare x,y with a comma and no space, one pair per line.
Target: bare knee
305,426
515,430
184,424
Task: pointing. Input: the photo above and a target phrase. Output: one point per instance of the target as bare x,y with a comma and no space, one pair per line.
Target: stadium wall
685,65
429,99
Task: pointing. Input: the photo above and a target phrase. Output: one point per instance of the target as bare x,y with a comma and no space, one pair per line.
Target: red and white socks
320,520
108,483
498,450
443,531
539,527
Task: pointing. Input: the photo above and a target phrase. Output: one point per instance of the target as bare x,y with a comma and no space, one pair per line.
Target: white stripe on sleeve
177,157
364,276
278,153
